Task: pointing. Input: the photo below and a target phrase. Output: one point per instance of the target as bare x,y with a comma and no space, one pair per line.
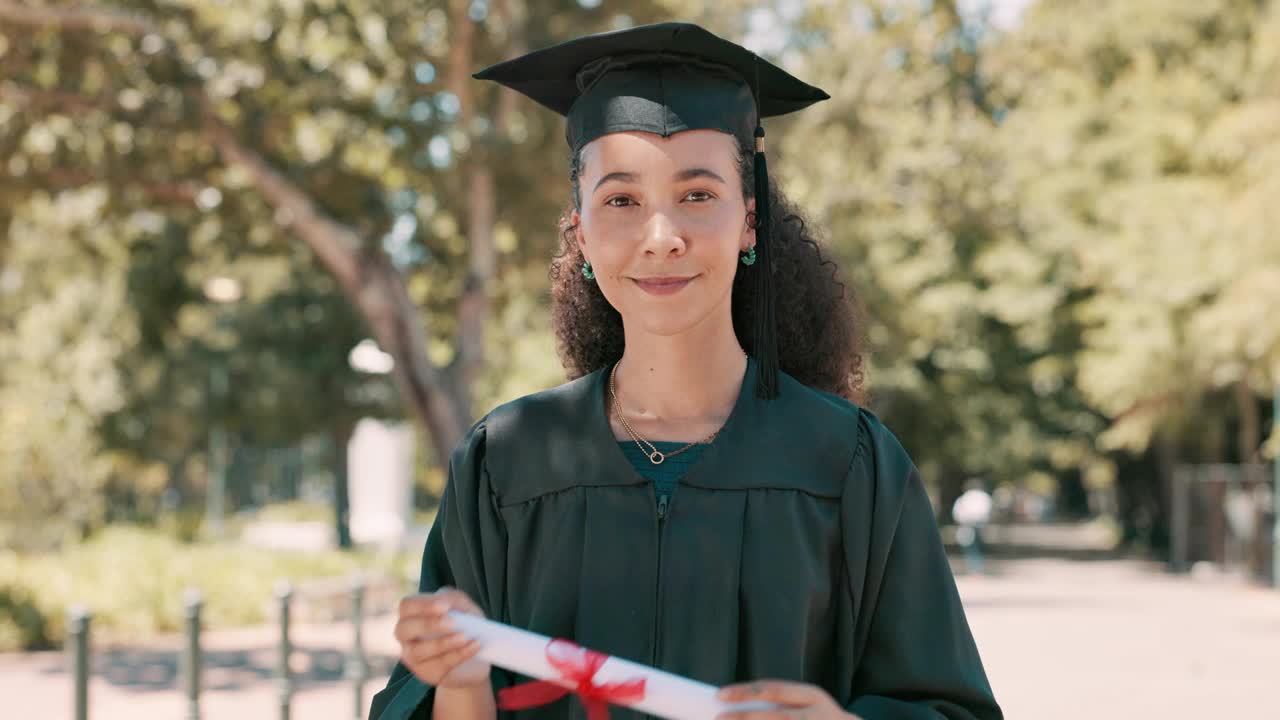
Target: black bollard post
357,669
192,602
284,596
78,645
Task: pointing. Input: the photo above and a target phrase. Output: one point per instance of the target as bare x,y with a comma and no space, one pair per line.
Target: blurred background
262,262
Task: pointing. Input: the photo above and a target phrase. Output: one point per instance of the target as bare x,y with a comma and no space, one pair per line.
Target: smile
663,285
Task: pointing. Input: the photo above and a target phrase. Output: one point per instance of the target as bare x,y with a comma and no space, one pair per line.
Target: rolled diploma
665,695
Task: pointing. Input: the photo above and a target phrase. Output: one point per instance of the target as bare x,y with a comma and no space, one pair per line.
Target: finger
416,628
431,604
761,715
781,692
435,649
416,604
456,657
454,599
437,605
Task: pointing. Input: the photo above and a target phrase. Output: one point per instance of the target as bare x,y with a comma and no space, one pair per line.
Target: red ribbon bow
578,666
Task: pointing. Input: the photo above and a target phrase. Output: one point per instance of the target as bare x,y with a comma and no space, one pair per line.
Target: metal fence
1223,515
355,595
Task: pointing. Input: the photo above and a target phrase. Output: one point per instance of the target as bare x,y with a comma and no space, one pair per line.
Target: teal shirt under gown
666,474
801,545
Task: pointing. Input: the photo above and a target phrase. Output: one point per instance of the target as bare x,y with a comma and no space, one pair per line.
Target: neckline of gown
709,455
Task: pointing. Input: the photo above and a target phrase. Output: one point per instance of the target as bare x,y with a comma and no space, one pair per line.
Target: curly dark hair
819,319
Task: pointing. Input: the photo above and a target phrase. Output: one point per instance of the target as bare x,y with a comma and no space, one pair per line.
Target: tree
1140,136
56,372
226,138
970,353
353,128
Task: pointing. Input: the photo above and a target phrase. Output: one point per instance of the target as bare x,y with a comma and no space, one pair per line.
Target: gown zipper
664,506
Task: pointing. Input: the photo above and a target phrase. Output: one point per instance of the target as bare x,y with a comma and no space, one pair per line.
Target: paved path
1073,640
142,683
1069,637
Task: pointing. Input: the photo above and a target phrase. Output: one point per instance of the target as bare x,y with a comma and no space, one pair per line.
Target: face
662,221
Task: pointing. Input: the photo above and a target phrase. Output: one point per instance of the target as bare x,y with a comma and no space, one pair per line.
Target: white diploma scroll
665,695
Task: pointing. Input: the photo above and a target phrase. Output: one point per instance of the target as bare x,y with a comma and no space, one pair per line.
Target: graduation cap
667,78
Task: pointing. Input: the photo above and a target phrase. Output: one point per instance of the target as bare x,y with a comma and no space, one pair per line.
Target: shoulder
875,453
878,444
537,443
553,407
882,474
561,406
834,426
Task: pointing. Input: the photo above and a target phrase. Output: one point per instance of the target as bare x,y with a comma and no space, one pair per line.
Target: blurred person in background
972,512
705,495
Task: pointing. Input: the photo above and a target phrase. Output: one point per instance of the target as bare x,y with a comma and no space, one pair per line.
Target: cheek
718,232
606,239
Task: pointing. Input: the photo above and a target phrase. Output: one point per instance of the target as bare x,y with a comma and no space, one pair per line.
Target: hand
431,648
794,700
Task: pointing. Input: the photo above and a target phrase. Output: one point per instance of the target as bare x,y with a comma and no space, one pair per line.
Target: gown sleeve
918,659
466,549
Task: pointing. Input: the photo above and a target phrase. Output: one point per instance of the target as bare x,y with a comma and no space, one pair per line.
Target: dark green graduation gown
801,546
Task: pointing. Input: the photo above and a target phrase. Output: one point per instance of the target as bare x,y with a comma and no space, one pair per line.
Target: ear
575,221
748,238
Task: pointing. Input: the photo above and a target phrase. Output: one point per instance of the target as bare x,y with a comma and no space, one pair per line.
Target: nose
662,236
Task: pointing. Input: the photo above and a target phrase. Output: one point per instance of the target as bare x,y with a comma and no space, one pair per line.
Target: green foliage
1142,139
57,374
133,581
1063,229
22,625
115,210
971,345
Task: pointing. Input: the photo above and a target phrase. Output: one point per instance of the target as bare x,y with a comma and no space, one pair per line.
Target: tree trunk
340,435
1144,495
1073,497
1214,437
950,487
482,201
373,284
1166,450
1249,440
473,306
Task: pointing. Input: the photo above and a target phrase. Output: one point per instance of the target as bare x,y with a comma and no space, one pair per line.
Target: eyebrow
619,176
682,176
698,172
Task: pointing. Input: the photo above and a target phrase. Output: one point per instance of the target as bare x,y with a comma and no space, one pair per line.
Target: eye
619,201
699,196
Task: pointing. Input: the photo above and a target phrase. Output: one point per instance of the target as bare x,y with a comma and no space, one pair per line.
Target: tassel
766,343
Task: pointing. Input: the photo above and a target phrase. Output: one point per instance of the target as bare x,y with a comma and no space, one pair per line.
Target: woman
705,496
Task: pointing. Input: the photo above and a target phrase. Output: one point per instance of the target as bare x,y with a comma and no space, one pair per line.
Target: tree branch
1144,406
367,277
182,192
45,100
337,245
473,305
75,18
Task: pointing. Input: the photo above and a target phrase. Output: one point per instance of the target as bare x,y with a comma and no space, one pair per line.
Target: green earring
587,272
749,257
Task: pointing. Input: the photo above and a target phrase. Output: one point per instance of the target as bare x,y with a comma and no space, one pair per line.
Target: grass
133,580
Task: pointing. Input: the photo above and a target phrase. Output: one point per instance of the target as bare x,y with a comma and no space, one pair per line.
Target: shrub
133,580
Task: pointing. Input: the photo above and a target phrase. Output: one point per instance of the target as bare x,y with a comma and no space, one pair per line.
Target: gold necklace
655,456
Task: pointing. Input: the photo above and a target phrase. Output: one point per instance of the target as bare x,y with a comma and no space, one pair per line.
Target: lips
663,285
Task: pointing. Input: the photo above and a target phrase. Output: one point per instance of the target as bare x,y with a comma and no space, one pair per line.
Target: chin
656,322
674,315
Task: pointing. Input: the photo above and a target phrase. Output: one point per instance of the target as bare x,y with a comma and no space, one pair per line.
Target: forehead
614,151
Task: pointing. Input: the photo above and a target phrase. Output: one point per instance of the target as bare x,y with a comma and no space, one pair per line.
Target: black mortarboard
667,78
